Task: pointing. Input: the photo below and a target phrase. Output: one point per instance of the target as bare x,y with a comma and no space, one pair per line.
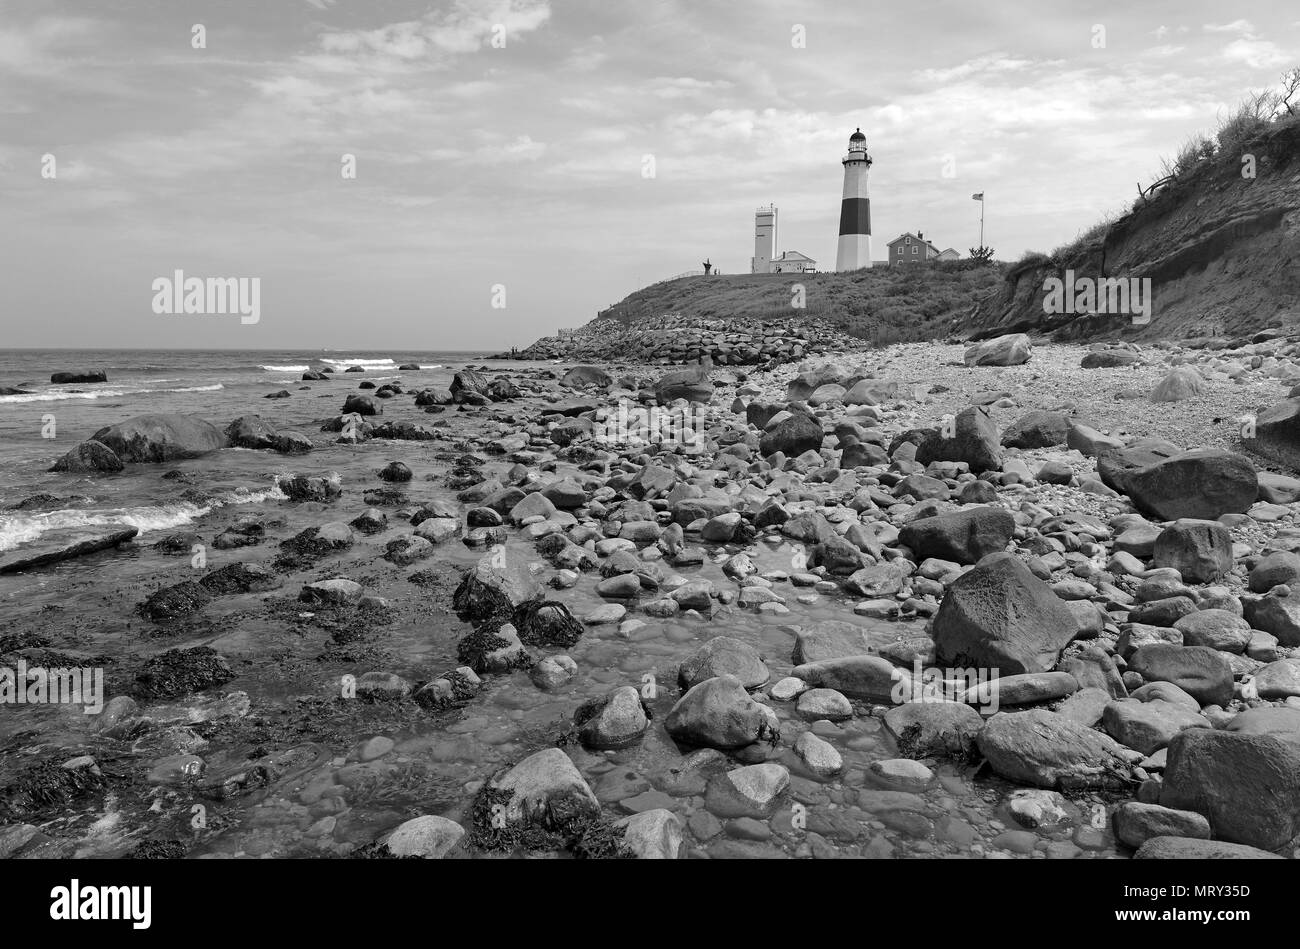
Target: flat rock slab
54,546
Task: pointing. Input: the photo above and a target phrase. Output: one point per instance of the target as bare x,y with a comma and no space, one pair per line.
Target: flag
978,197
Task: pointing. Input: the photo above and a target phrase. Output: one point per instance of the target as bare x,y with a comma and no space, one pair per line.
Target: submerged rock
652,835
175,602
719,713
724,655
88,457
753,791
179,672
612,721
545,790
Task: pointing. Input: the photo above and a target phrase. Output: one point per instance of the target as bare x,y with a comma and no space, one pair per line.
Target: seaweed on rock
546,623
156,850
46,787
462,690
474,648
572,830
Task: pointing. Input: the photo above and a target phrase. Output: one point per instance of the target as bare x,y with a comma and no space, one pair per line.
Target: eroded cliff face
1222,252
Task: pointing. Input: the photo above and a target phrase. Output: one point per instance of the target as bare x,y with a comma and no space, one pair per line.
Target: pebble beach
1009,601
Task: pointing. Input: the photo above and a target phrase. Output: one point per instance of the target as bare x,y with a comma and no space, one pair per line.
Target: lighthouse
854,250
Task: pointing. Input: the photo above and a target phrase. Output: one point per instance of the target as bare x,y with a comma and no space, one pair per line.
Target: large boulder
1086,440
793,436
430,837
859,677
304,487
251,431
1194,848
361,405
611,721
965,536
158,438
1037,429
871,392
691,384
1048,750
1247,785
580,377
78,378
724,655
495,587
1135,823
1279,615
1109,359
545,789
1282,721
89,457
1181,383
1277,433
974,440
1011,350
1201,551
1148,726
719,713
1203,673
1116,462
652,835
935,728
1204,484
468,381
754,791
1000,616
830,639
1279,566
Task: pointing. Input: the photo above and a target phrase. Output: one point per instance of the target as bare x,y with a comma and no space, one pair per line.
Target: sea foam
22,528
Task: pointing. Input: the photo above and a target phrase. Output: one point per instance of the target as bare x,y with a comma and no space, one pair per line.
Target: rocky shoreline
1010,601
675,340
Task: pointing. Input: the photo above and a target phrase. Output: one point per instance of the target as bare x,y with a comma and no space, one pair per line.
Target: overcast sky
523,163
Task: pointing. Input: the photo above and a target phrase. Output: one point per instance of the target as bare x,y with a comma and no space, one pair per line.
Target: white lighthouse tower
764,240
854,250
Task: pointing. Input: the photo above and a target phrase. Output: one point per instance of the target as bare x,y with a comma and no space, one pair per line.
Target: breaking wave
22,528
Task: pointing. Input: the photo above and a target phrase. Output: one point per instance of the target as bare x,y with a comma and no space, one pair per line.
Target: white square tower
764,240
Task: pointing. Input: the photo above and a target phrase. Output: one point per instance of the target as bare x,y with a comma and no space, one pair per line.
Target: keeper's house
791,261
915,249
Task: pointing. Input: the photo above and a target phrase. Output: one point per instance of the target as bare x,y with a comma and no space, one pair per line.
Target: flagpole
981,221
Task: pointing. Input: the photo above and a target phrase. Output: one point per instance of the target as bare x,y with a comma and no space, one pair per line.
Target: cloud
1255,53
465,28
234,156
44,45
590,57
994,63
1236,26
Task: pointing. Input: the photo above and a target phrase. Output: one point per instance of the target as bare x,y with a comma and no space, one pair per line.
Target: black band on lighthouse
855,216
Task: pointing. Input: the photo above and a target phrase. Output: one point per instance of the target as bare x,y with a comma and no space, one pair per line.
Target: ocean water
217,385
